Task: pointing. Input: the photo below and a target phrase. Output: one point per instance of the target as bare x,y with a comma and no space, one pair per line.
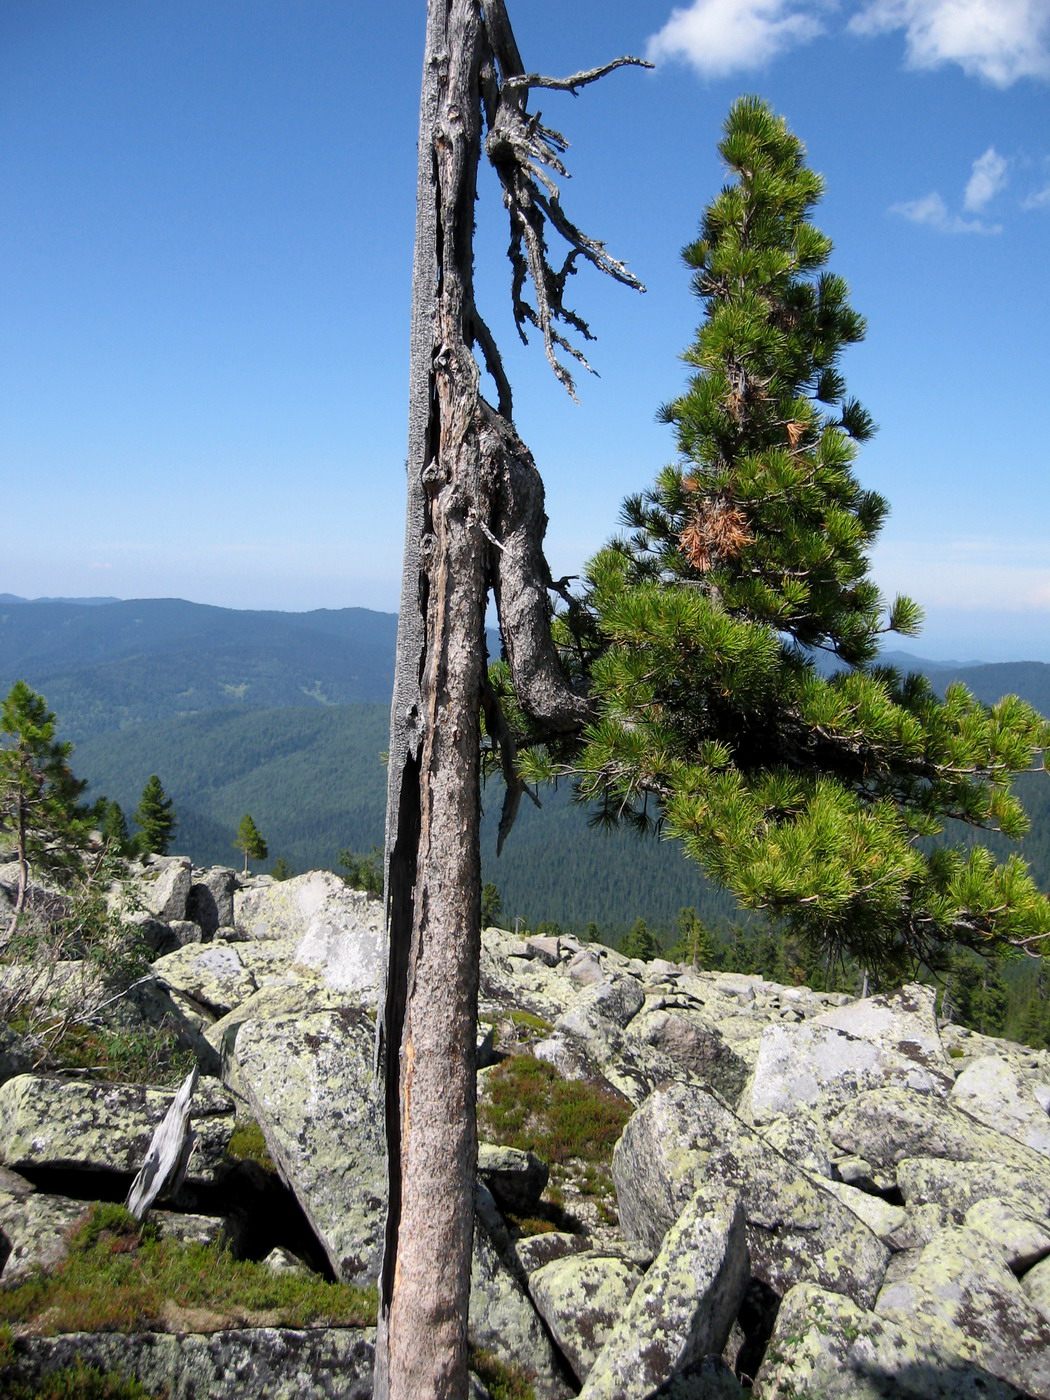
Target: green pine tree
39,807
806,796
281,870
113,826
156,818
250,840
640,942
491,906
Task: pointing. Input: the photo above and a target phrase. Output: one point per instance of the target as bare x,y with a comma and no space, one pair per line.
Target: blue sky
205,249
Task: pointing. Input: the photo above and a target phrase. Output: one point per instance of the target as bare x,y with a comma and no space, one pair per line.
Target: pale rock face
902,1023
581,1297
682,1309
996,1094
682,1141
962,1294
315,1363
310,1084
888,1125
1036,1285
56,1123
825,1347
1021,1239
165,887
801,1138
501,1318
824,1068
957,1185
880,1216
212,974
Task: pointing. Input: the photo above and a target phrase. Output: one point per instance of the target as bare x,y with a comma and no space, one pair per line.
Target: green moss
77,1382
247,1144
504,1379
528,1021
571,1125
146,1055
120,1278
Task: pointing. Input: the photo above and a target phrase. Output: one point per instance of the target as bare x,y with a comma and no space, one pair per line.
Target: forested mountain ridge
285,715
117,664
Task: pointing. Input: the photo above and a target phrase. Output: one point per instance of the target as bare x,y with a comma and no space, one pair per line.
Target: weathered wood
169,1152
474,522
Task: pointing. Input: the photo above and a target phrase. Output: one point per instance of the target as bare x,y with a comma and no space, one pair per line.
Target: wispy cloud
989,176
932,211
1000,41
1039,200
719,37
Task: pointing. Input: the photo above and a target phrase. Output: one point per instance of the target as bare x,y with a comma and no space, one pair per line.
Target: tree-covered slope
119,664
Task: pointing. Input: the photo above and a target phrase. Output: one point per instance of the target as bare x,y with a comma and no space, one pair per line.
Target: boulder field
815,1196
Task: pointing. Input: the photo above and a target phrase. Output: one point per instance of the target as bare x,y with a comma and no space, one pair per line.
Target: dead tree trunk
475,522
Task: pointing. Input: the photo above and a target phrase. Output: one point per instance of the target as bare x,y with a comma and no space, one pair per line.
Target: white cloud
987,179
932,211
1038,199
999,40
727,36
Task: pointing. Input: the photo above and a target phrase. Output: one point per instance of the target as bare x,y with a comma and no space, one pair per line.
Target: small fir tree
491,906
39,807
250,840
806,795
281,870
113,826
362,872
640,942
156,817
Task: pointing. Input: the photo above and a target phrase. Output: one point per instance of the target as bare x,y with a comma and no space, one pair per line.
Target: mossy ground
119,1277
571,1124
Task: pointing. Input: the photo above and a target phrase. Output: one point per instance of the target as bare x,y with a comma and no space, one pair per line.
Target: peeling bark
474,522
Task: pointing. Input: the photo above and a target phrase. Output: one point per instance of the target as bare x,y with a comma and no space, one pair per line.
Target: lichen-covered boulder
885,1126
962,1294
684,1306
825,1347
581,1297
1036,1286
49,1122
957,1185
822,1067
878,1214
265,1363
707,1379
212,975
996,1094
517,1179
164,886
1020,1238
502,1319
682,1140
695,1047
534,1251
902,1023
210,900
310,1084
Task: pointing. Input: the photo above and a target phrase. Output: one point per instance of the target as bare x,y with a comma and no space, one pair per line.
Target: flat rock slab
996,1094
581,1297
825,1347
310,1084
684,1306
902,1022
263,1363
885,1126
961,1292
958,1185
46,1121
682,1140
824,1068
